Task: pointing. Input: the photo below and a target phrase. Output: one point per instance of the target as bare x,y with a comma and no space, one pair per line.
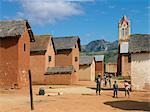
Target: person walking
115,88
105,79
127,88
98,85
109,80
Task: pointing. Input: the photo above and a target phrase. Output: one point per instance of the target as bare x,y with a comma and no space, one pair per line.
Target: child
127,88
115,88
98,84
109,80
105,79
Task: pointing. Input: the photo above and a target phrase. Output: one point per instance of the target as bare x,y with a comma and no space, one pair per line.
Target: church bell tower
124,29
124,58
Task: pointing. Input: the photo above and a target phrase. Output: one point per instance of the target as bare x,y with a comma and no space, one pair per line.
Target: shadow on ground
120,89
129,105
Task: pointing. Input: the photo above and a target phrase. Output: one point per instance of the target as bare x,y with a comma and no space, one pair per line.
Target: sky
88,19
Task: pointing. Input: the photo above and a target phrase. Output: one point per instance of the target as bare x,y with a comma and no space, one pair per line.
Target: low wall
60,79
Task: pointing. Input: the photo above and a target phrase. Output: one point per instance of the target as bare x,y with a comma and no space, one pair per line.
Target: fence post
31,94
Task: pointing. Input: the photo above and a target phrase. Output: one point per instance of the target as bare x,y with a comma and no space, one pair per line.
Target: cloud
134,11
103,12
111,6
81,0
148,7
123,9
49,11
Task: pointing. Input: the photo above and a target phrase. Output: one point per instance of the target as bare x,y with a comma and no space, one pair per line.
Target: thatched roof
14,28
40,45
112,59
59,70
99,58
62,43
86,60
139,43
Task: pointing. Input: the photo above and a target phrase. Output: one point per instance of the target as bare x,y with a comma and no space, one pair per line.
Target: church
124,57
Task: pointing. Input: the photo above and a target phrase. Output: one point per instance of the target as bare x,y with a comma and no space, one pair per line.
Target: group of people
107,79
98,80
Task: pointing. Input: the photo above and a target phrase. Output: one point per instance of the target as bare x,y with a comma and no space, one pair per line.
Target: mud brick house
66,68
99,65
42,56
111,68
60,75
139,47
15,38
87,68
124,57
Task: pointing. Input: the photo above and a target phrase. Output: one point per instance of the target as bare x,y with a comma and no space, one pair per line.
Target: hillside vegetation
101,47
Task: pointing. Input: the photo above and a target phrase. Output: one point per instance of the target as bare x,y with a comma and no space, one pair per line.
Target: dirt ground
75,98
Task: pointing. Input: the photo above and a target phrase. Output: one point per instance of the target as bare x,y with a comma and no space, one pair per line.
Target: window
49,58
123,32
126,33
76,58
24,47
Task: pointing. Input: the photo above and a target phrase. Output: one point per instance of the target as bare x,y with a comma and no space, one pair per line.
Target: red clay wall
24,59
50,52
111,67
63,58
126,66
58,79
37,66
75,63
74,78
8,62
99,67
66,58
40,63
14,61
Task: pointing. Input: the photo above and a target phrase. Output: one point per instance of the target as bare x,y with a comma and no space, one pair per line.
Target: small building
139,47
60,75
87,68
15,38
111,68
99,64
66,70
42,56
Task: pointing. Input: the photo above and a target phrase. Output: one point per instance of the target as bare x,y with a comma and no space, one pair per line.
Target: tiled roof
14,28
139,43
61,43
99,57
124,18
59,70
86,60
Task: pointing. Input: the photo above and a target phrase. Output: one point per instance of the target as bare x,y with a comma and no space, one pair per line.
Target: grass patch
120,78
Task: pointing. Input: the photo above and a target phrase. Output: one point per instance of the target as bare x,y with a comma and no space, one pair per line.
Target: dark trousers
110,83
105,82
127,92
115,92
98,88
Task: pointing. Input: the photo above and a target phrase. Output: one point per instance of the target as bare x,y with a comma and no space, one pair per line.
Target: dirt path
75,98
